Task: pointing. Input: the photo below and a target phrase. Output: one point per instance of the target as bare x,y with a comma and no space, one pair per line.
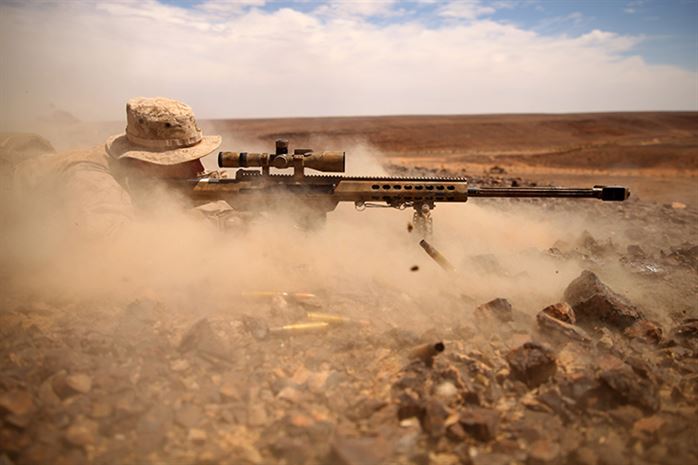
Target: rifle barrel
607,193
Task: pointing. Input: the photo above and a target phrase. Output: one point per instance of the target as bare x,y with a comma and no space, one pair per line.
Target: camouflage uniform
90,186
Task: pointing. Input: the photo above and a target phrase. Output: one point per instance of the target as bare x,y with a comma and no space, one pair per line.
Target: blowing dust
368,258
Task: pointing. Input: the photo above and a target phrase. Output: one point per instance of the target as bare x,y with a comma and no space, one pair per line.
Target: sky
258,58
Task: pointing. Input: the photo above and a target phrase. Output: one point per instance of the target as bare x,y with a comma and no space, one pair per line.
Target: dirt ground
568,332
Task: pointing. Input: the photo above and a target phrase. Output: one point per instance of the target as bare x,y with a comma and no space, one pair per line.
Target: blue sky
669,28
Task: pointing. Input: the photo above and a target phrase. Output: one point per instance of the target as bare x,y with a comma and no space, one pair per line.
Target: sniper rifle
254,190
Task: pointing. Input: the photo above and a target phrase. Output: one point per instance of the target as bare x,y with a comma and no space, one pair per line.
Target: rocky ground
596,378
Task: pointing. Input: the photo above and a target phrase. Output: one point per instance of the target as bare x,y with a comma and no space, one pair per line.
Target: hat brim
120,147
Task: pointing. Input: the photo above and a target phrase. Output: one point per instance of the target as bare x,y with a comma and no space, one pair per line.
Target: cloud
466,9
357,8
90,58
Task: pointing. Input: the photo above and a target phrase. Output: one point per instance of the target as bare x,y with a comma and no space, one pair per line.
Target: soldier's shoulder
16,147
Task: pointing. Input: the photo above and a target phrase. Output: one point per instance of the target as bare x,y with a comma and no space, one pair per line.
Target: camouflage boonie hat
161,131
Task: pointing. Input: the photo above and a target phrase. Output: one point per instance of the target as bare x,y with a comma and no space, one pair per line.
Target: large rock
593,301
533,363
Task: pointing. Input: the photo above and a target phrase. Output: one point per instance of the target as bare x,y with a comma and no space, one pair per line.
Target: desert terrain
568,332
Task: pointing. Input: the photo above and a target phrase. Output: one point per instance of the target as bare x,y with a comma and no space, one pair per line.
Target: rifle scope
321,161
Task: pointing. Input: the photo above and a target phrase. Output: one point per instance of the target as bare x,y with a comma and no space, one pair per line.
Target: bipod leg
422,221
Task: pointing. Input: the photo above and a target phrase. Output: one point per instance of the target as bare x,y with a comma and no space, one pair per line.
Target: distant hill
643,139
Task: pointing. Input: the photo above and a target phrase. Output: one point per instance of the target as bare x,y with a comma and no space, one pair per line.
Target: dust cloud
178,258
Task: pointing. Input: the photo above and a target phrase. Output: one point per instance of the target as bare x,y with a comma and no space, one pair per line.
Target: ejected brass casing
436,255
427,352
333,319
300,328
297,296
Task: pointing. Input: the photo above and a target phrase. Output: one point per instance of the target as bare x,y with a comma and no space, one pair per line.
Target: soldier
98,189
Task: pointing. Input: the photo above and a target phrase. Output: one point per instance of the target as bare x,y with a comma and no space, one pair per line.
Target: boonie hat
162,131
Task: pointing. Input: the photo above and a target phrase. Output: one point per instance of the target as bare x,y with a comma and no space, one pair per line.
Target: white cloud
466,9
356,8
89,59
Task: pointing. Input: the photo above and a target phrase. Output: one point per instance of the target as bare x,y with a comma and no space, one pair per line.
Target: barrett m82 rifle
260,189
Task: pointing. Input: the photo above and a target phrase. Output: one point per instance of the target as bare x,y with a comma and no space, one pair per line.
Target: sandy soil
173,345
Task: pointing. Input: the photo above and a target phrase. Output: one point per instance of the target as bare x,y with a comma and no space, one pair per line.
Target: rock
189,416
203,340
500,308
480,423
687,329
647,429
197,436
290,394
626,415
532,363
490,458
256,414
543,451
606,339
359,451
630,388
560,329
365,408
82,432
59,383
434,419
16,402
593,301
228,391
561,311
446,391
79,383
585,456
635,252
179,365
645,330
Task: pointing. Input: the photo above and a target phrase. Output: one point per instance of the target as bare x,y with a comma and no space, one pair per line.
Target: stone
228,391
290,394
647,429
593,302
197,436
203,340
82,432
480,423
559,329
256,414
687,329
189,416
533,363
79,383
561,311
500,308
179,365
434,418
359,451
645,330
630,388
543,452
585,456
16,402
